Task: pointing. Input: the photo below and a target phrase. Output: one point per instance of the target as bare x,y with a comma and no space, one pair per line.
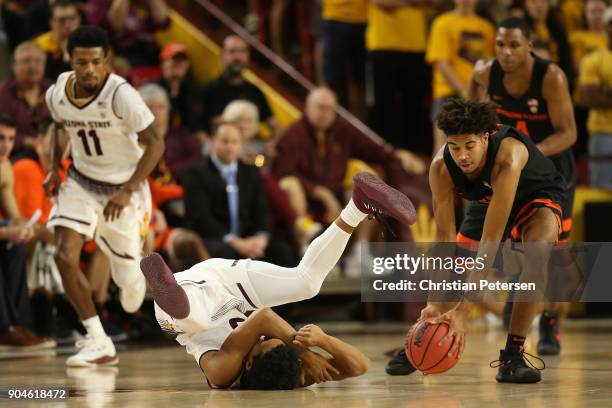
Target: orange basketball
423,351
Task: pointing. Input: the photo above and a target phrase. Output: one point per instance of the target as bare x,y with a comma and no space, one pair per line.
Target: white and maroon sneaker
374,197
98,351
168,294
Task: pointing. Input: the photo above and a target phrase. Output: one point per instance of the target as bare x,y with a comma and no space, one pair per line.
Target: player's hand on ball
310,336
430,311
455,318
317,367
116,204
52,183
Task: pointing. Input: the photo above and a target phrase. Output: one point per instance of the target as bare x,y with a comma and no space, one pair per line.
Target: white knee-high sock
352,215
324,252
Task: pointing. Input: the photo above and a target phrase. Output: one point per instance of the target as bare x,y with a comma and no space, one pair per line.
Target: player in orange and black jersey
532,95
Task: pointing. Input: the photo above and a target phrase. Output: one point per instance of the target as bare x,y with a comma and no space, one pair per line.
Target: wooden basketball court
163,375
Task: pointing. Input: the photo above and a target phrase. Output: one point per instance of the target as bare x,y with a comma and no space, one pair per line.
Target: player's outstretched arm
348,360
561,112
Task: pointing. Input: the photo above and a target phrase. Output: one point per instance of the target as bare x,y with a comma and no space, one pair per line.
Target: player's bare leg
97,348
540,230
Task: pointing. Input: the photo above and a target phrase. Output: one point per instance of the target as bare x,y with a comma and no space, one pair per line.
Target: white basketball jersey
103,131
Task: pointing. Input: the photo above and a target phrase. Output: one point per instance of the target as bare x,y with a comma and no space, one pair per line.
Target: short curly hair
461,117
278,369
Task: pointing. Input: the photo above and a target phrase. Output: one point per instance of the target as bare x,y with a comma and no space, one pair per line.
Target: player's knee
66,257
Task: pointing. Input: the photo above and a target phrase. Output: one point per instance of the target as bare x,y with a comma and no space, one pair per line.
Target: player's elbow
359,367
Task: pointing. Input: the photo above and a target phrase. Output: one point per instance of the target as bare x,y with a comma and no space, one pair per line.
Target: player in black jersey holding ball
501,170
532,95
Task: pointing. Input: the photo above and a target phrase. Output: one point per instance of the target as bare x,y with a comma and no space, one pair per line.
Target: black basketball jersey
529,113
538,177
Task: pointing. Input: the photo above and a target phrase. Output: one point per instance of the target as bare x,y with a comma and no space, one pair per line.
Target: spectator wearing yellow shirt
343,37
64,19
549,36
457,40
595,84
595,35
397,77
572,14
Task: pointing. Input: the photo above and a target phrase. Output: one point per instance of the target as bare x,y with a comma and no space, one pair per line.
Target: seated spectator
325,142
231,85
549,36
12,32
132,26
457,40
226,205
182,148
15,308
23,97
285,218
64,19
186,108
595,84
314,178
594,36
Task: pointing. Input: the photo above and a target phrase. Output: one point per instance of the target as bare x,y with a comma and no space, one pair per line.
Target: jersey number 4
96,141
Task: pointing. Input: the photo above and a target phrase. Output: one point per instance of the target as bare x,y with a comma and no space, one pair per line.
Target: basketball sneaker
374,197
132,296
513,367
549,344
168,294
399,364
98,351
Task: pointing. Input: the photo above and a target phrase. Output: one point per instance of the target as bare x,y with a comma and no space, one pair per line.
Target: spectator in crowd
23,97
457,40
314,178
549,38
186,108
594,36
181,247
572,13
65,18
284,217
595,85
398,77
343,37
231,85
226,205
182,148
38,16
12,32
15,309
132,25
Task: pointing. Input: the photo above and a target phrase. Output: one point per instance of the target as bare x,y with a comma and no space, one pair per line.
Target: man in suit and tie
225,204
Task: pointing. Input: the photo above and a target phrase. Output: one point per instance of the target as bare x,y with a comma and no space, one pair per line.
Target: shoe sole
526,381
168,294
85,364
386,198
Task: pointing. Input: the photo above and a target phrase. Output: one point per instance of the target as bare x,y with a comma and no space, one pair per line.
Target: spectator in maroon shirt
132,25
311,164
23,97
315,150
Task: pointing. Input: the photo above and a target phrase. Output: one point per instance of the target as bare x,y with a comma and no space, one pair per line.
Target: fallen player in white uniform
208,305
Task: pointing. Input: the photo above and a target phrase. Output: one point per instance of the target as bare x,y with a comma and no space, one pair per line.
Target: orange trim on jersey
566,225
521,115
462,239
527,208
163,241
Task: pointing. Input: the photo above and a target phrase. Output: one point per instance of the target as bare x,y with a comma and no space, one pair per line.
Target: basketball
423,351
